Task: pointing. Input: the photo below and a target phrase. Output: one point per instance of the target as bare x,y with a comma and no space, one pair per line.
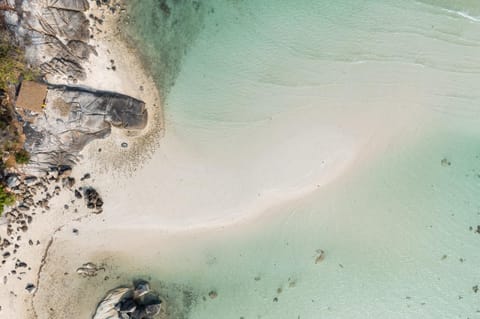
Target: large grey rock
12,181
107,308
73,5
55,34
72,118
138,302
64,24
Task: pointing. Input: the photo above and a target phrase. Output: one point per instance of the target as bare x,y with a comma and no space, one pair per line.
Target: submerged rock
137,302
213,294
445,162
320,256
55,34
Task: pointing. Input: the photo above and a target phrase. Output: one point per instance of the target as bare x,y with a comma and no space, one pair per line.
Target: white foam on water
463,15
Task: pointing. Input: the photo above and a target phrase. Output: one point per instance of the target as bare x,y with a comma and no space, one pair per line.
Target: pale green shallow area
385,233
385,229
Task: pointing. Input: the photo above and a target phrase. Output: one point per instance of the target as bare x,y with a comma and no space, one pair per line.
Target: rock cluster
137,302
33,195
93,199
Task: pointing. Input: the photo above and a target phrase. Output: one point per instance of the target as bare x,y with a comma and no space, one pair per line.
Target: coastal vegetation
12,68
6,199
12,61
22,156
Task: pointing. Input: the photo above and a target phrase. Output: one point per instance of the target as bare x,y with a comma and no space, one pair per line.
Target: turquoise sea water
397,244
396,232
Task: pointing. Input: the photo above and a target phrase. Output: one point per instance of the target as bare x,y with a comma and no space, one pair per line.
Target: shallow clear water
385,233
227,67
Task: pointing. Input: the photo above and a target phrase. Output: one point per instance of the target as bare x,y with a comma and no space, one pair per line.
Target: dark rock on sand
89,269
92,198
30,288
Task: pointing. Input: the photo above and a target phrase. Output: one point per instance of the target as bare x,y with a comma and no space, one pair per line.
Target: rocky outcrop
73,117
73,5
137,302
55,35
33,195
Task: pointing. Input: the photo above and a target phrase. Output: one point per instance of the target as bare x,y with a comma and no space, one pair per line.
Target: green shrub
22,157
6,199
10,64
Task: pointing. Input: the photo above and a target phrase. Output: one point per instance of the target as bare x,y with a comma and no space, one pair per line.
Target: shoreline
130,77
